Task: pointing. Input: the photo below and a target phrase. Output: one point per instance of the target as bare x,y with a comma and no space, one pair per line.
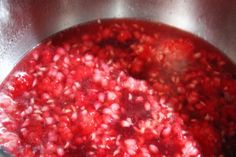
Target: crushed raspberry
121,88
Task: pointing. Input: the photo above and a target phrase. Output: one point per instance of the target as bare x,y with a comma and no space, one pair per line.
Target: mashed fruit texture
120,88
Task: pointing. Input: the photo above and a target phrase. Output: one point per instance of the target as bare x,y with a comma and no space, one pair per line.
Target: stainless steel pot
24,23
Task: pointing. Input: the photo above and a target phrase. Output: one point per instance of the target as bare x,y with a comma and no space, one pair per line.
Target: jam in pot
122,88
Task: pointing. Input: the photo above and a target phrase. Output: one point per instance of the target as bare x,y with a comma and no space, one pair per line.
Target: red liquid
120,88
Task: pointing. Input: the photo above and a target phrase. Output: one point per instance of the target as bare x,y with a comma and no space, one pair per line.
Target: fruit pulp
122,88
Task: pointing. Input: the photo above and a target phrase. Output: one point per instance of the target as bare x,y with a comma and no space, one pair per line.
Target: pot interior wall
25,23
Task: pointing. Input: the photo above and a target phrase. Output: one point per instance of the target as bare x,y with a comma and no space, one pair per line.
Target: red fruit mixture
121,88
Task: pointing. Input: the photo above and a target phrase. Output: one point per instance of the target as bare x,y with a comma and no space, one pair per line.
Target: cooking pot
24,23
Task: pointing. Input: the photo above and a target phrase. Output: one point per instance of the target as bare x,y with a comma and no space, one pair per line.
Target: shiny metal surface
24,23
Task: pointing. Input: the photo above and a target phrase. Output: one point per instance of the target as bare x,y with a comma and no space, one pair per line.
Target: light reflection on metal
4,12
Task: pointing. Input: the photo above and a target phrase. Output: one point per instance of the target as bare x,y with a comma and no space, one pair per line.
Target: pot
24,23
